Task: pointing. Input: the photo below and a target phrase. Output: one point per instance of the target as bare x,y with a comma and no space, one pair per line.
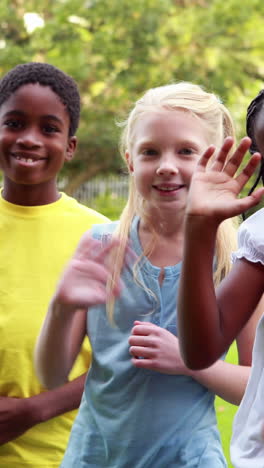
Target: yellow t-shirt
36,242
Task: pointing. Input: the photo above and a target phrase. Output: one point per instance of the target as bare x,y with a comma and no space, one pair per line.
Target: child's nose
29,138
168,166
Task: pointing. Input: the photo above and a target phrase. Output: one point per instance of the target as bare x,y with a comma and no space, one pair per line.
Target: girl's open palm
84,281
214,190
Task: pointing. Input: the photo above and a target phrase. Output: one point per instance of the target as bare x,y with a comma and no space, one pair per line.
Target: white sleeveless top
247,444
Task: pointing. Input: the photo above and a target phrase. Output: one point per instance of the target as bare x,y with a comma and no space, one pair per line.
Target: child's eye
13,124
149,152
50,128
186,151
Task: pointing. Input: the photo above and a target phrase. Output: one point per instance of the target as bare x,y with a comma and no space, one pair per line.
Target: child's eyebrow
23,114
183,142
52,117
13,111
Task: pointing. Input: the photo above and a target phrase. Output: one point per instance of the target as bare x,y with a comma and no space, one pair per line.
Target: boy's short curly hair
46,75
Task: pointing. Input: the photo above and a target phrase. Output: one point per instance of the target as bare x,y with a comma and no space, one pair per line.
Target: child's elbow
50,382
196,364
48,377
197,359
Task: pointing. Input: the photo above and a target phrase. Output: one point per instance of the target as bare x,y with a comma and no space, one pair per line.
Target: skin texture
83,284
34,144
162,162
34,125
161,158
17,415
217,318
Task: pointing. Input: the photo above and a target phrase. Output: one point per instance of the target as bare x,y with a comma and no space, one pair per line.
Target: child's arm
58,344
82,285
17,415
229,381
160,350
208,323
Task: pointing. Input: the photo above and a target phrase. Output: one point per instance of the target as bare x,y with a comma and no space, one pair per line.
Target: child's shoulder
78,208
251,238
254,224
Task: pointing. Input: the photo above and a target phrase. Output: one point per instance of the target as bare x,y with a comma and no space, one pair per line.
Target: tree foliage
116,50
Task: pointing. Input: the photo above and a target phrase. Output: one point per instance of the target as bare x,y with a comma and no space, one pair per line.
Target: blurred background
116,50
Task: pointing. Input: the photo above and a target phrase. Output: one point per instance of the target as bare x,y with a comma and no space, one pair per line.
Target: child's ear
129,162
71,147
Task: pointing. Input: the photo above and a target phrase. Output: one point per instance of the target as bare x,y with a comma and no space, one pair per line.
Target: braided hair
252,112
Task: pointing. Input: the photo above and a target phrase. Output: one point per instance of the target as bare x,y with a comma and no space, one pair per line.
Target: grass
225,412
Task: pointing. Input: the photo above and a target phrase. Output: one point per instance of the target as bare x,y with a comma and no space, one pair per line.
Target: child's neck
168,247
30,195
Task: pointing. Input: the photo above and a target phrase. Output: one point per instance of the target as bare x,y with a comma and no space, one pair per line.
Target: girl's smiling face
34,137
165,149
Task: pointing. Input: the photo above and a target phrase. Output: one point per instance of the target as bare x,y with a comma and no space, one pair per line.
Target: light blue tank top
137,418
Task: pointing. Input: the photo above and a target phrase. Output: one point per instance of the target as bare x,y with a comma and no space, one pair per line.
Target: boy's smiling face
34,140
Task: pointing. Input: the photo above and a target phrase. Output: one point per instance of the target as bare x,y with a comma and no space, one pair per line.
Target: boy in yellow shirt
39,230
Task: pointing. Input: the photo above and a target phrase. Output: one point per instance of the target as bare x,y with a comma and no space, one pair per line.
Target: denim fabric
134,418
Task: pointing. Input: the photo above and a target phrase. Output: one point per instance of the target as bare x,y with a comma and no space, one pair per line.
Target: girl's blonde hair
217,119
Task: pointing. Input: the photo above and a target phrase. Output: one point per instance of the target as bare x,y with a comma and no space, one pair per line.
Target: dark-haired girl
217,317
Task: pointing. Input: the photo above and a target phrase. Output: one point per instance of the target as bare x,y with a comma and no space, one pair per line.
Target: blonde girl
142,407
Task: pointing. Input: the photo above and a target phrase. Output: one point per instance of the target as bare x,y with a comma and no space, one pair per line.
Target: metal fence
115,186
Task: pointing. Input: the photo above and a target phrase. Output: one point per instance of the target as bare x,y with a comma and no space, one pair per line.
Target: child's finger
220,159
248,170
141,352
144,363
234,162
203,161
248,202
144,328
103,252
90,248
140,330
140,322
258,194
139,340
89,269
86,246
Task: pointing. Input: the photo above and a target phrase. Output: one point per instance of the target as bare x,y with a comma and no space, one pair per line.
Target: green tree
116,50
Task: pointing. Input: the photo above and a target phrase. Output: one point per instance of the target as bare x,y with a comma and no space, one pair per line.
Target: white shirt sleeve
251,239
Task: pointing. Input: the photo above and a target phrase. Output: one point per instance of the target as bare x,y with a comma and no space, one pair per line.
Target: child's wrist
58,309
201,223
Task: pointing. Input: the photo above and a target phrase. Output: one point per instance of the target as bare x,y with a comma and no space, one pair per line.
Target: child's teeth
29,160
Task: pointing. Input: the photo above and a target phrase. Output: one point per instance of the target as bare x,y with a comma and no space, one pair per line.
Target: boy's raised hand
84,281
214,190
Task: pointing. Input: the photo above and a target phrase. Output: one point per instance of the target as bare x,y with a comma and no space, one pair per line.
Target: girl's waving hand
214,189
84,282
